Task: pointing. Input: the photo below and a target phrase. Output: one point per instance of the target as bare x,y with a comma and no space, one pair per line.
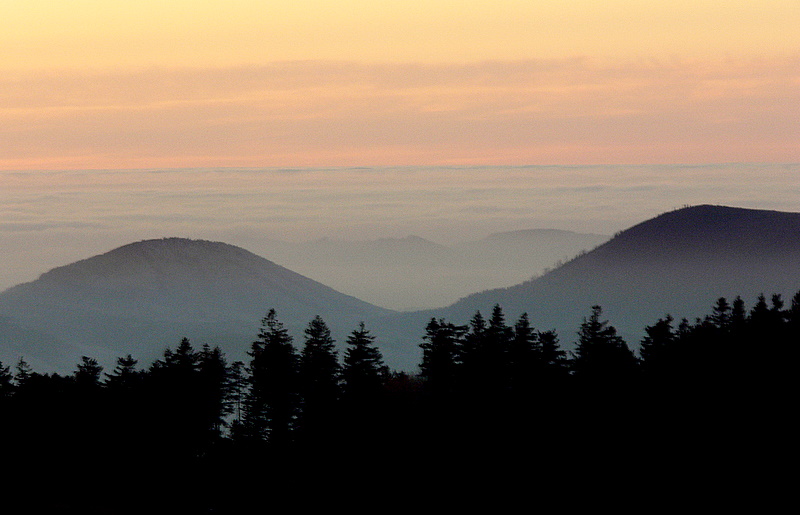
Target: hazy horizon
52,218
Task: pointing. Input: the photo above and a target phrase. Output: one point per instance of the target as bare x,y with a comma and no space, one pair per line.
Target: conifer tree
554,358
237,384
791,343
789,347
738,317
721,314
440,354
601,355
737,329
125,374
319,376
88,373
364,395
604,369
173,397
23,373
759,315
363,370
175,375
495,352
83,408
214,389
763,328
272,402
471,370
793,314
485,355
185,359
6,382
129,409
6,413
525,358
658,350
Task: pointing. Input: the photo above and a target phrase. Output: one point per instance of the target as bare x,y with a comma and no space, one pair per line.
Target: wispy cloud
345,113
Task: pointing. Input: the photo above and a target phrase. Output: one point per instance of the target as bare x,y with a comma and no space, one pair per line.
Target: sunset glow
99,84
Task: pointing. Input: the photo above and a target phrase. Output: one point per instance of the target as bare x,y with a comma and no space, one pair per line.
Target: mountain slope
679,263
415,273
143,297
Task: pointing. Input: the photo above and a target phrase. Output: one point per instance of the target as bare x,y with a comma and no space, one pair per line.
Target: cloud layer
332,113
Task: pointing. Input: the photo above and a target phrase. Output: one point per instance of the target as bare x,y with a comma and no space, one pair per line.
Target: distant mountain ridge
413,273
145,296
151,268
151,293
679,262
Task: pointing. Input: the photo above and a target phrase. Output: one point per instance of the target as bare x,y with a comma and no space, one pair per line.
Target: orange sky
113,84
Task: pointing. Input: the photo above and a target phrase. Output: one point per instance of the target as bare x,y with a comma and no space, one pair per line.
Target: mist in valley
400,237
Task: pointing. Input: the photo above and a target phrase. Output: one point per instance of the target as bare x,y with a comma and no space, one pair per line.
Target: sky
107,84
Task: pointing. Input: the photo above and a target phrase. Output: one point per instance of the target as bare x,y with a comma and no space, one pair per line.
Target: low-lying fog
402,238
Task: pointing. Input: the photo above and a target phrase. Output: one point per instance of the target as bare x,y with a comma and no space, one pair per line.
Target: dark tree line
485,386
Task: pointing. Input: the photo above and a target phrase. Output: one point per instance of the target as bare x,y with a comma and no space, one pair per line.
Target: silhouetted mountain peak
158,259
217,274
706,230
137,294
678,262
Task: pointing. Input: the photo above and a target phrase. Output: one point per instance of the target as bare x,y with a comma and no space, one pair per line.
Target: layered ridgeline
144,297
679,263
413,273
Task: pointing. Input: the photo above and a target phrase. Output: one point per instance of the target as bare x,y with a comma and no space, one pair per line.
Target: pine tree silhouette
273,399
319,384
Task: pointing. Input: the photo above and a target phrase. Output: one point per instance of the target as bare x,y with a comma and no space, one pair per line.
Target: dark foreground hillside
498,414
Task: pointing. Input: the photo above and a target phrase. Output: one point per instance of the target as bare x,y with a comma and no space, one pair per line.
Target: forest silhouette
487,393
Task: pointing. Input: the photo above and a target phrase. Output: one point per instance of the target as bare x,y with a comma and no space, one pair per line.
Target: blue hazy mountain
414,273
145,296
679,263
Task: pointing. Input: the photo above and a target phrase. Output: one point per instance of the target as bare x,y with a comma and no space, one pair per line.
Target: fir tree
319,376
441,346
554,359
759,315
721,314
272,402
471,371
237,385
364,395
657,349
363,371
789,347
6,382
525,358
495,352
22,373
125,374
214,390
173,397
88,373
601,355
